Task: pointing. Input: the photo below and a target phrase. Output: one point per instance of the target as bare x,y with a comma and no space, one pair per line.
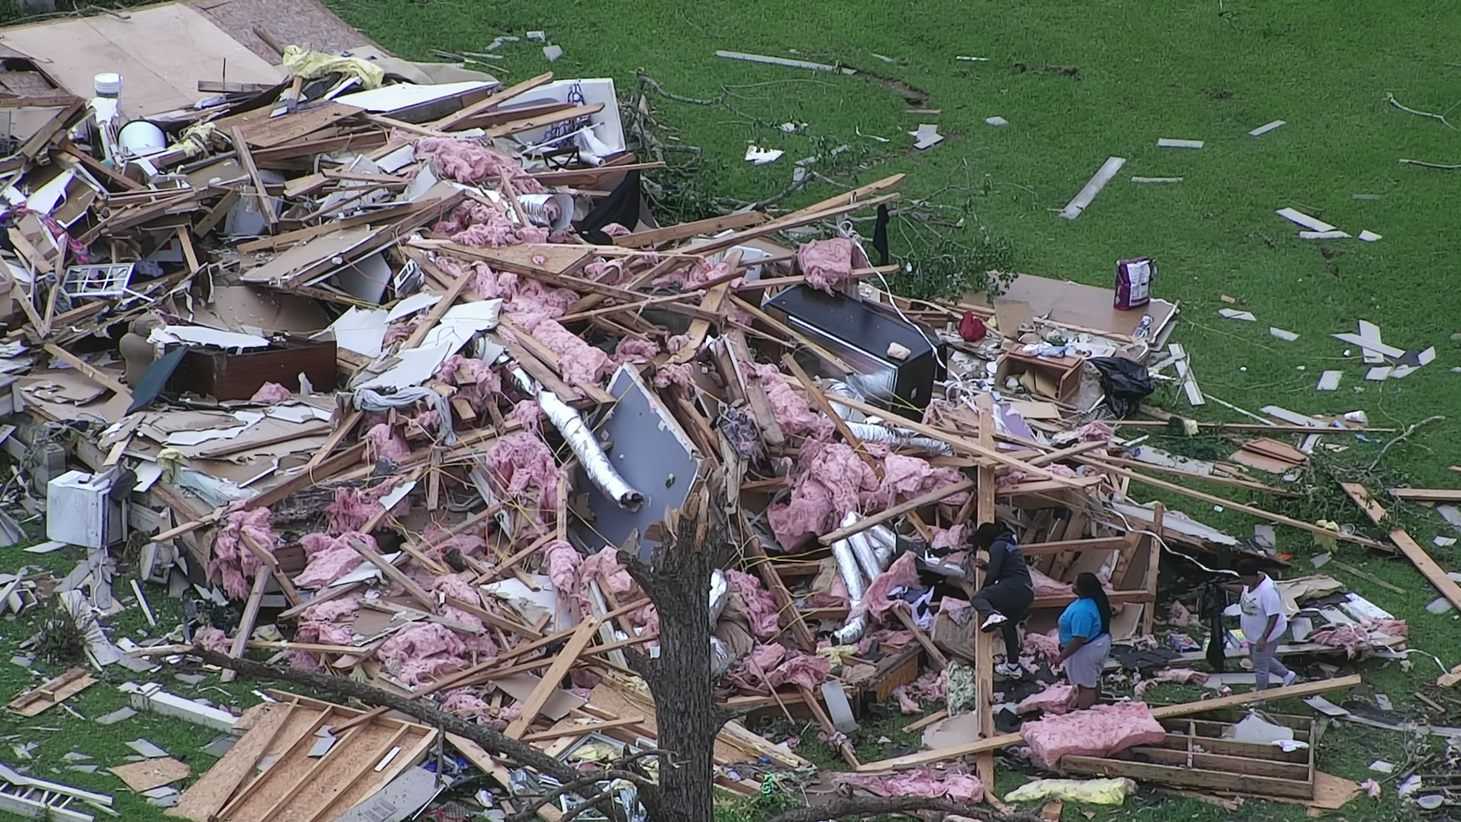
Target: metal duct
869,432
576,433
847,566
862,549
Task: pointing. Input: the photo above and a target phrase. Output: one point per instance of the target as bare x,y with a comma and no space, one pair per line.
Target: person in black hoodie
1007,592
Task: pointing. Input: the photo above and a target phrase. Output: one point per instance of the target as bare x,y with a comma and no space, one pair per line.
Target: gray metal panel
653,454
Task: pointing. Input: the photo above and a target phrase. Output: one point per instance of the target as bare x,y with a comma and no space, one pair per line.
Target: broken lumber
1417,555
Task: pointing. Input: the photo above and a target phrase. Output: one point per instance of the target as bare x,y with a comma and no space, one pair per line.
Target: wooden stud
246,159
984,641
1417,555
528,710
250,615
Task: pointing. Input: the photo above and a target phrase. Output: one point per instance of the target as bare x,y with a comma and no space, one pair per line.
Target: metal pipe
862,549
869,432
847,566
585,445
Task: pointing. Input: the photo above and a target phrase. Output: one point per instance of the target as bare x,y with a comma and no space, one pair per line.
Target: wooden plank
1412,550
1036,549
581,730
246,159
250,615
1153,566
682,231
51,692
206,797
528,710
785,605
929,498
1427,494
1188,776
92,373
1238,506
495,99
1299,691
984,640
530,123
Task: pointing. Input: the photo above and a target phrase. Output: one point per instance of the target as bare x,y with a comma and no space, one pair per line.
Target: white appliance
80,510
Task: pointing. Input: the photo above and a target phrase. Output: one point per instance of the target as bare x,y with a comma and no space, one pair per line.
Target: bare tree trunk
677,580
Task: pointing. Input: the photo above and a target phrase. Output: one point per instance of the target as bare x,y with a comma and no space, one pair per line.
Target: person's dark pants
1011,599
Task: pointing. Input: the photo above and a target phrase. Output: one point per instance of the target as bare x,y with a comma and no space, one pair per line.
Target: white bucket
535,206
140,138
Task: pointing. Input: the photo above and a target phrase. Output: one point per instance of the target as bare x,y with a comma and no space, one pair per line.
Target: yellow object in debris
312,64
1324,541
1089,791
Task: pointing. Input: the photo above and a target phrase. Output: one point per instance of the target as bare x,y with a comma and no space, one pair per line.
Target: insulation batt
792,411
468,162
212,639
422,652
382,442
779,667
328,623
486,226
1099,731
352,507
475,380
760,606
829,263
232,563
579,363
903,573
519,295
948,539
1047,586
635,350
1044,646
1054,700
330,558
468,545
950,783
1355,639
907,477
524,472
702,272
832,482
459,588
271,393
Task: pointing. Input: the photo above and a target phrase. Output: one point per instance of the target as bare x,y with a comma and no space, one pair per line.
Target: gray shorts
1084,667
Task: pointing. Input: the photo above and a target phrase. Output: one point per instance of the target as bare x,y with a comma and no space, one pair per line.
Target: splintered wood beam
530,707
246,159
495,99
684,231
1417,555
1299,691
984,640
929,498
250,616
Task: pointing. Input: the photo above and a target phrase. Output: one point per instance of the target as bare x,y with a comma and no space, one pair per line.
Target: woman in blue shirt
1085,639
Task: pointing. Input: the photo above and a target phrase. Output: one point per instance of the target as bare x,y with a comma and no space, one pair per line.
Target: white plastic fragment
1266,127
996,121
1370,236
755,155
1329,380
1170,142
1286,336
1082,200
1303,220
1234,314
552,53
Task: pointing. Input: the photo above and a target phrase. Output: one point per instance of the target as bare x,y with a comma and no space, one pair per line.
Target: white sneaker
1290,679
1009,670
993,621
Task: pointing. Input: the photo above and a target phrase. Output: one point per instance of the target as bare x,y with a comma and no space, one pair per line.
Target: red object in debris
971,328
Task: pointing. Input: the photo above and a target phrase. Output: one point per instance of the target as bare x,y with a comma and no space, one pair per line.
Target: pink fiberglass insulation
1180,676
906,477
467,544
1044,646
271,393
952,783
562,561
831,482
907,705
468,705
524,473
382,442
948,539
829,263
1355,639
1098,431
327,623
486,226
616,230
1054,700
330,558
930,687
579,363
703,271
466,161
1047,586
680,374
422,652
775,666
475,380
352,507
608,272
454,586
635,350
528,414
903,573
233,563
792,411
212,639
759,606
1099,731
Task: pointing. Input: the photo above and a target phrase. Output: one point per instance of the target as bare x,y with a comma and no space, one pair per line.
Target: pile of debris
407,373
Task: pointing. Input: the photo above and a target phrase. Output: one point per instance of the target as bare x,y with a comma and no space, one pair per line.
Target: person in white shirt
1263,624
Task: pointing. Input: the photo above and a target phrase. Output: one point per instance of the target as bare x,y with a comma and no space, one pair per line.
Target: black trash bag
1126,383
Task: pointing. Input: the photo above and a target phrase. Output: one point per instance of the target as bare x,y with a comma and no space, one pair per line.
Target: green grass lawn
1208,71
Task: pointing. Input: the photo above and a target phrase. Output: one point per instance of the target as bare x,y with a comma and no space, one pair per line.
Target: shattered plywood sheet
52,692
363,759
1080,305
152,773
77,49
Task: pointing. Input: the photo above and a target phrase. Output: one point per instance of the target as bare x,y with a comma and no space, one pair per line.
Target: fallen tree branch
491,741
860,806
1424,164
1390,98
1402,436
